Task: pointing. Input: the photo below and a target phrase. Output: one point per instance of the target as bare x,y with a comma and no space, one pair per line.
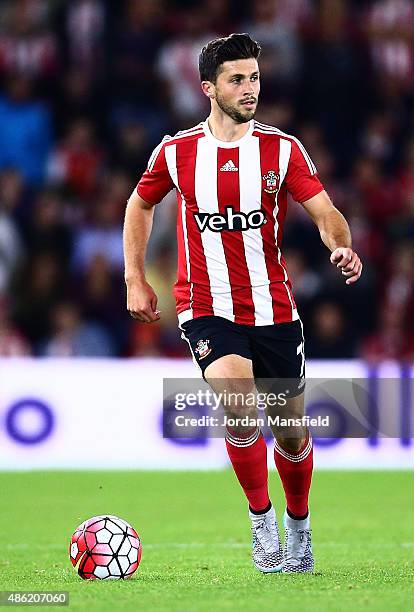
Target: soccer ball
106,548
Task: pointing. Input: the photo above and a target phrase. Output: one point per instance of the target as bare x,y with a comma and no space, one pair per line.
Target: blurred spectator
313,140
367,239
37,290
219,17
136,44
335,79
12,343
10,249
145,341
278,113
377,137
178,67
85,26
101,237
25,130
10,243
76,163
302,236
328,336
279,60
306,281
295,13
399,284
392,340
73,337
11,190
80,94
391,34
403,226
46,229
131,151
378,193
100,293
26,46
117,185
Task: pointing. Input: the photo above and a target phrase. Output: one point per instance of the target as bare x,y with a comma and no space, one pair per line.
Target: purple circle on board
16,410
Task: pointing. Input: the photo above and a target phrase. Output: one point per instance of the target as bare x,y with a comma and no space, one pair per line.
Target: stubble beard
234,113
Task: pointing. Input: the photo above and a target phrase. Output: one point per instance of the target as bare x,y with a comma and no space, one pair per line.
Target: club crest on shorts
202,348
272,181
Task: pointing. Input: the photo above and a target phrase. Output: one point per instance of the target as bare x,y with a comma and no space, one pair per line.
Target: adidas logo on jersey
229,167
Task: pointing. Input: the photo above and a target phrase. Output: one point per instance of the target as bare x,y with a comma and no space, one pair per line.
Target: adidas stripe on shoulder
188,131
269,129
156,152
197,129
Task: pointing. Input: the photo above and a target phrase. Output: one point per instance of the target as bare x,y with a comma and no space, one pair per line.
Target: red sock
248,456
295,471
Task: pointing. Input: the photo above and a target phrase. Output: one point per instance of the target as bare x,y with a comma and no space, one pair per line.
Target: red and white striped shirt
232,199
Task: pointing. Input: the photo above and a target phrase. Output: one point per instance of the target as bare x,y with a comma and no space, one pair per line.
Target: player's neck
224,128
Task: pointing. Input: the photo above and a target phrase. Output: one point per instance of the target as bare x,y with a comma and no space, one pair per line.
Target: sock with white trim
295,471
248,455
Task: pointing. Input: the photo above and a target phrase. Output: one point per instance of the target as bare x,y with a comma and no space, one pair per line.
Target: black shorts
276,351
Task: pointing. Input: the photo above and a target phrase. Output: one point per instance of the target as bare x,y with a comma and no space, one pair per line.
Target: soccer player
234,299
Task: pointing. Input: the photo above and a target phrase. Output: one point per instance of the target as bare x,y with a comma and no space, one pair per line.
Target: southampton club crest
272,181
202,348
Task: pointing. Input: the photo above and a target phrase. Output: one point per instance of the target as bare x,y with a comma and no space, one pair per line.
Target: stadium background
88,88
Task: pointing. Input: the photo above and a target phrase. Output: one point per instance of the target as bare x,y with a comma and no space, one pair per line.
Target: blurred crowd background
89,87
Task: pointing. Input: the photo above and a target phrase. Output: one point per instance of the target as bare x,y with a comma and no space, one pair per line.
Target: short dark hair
220,50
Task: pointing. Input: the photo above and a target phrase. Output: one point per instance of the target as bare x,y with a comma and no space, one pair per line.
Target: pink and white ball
105,548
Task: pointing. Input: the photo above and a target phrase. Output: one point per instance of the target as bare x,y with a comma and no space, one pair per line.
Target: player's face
237,89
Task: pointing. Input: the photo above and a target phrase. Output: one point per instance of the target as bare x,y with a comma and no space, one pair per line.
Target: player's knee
233,369
240,398
231,376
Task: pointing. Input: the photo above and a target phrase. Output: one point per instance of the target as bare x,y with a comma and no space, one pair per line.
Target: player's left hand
349,262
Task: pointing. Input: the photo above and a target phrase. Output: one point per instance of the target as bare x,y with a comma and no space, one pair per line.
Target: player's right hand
142,302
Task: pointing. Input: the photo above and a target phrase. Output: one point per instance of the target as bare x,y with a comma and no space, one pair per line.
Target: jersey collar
223,143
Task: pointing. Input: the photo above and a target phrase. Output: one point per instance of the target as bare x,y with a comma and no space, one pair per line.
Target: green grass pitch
196,541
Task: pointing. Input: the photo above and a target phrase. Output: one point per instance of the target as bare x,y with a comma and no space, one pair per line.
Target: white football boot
297,554
267,550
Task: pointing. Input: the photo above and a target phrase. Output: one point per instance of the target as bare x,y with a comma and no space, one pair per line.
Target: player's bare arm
141,298
335,234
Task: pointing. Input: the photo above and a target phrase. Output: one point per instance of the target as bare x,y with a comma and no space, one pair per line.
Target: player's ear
208,89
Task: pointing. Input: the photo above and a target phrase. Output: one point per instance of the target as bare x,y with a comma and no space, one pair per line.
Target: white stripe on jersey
185,133
207,201
285,149
189,130
194,133
171,159
251,199
268,129
156,152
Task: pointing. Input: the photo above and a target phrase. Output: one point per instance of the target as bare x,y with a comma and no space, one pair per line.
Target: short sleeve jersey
232,201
